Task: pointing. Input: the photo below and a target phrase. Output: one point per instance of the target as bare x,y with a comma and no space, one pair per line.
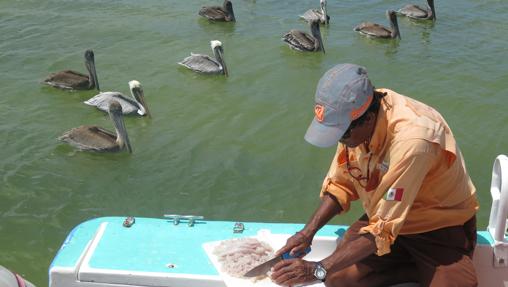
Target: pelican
71,80
418,13
205,64
94,138
301,41
315,13
218,13
375,30
134,105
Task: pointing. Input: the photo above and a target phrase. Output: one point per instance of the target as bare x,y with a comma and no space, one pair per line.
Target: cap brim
322,135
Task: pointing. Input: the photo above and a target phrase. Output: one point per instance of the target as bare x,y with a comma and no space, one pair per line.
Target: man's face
357,134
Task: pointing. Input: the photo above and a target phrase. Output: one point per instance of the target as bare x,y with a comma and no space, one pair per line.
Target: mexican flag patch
394,193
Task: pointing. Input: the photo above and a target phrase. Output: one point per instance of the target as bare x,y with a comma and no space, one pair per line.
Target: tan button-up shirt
411,178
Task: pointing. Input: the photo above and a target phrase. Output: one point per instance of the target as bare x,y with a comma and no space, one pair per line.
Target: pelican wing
216,13
102,101
373,30
68,80
90,138
299,40
414,11
201,63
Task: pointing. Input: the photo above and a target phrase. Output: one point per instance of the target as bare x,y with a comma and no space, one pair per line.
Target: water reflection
390,46
296,59
212,27
426,25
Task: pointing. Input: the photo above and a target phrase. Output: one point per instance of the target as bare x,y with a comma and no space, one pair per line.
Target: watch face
320,272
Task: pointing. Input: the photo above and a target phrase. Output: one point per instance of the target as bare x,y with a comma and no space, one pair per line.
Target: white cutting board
276,241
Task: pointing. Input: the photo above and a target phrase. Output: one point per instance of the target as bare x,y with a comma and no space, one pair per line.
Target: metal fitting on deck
177,217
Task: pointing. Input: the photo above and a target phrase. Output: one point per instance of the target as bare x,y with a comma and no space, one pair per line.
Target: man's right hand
296,244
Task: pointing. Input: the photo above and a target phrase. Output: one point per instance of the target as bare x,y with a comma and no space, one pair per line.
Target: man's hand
293,271
296,244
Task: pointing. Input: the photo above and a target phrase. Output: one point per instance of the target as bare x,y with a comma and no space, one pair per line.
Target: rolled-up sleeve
339,185
410,164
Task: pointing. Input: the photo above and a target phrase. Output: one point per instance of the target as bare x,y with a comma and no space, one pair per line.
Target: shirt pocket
380,169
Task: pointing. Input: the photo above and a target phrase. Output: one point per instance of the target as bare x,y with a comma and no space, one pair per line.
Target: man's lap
441,257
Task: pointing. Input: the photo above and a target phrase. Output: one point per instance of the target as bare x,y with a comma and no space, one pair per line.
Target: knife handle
286,255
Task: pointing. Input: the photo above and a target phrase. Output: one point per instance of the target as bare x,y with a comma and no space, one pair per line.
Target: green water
225,148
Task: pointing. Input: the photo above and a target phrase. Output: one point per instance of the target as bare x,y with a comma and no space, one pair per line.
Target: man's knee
460,274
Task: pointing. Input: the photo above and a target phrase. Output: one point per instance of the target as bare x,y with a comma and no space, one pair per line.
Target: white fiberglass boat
176,251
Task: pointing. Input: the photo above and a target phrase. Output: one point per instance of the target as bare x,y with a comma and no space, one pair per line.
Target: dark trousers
441,257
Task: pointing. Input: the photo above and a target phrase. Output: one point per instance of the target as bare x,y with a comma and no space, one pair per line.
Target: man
399,158
11,279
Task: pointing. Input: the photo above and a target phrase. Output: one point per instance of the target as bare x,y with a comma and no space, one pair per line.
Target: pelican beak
122,136
220,53
90,65
139,95
325,13
394,24
128,143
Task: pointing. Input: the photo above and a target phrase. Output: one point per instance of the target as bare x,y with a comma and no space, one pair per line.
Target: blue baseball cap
343,94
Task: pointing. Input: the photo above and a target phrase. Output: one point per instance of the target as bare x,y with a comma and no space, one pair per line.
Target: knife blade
267,265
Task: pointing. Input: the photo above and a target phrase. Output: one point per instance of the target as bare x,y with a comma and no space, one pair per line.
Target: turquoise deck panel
151,244
76,242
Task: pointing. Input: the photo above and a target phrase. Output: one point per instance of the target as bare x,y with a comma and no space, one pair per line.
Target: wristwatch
320,272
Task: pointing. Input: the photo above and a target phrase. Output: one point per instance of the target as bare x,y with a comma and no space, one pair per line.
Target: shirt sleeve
338,184
410,162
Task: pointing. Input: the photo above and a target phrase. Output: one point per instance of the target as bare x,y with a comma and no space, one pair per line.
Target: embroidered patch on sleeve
394,193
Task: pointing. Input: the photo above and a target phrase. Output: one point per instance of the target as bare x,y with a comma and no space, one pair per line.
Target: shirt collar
377,141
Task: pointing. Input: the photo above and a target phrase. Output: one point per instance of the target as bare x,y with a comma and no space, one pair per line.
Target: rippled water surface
225,148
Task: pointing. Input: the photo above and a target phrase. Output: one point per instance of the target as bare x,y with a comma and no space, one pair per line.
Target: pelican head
392,16
115,113
139,95
219,55
324,13
90,66
314,29
228,6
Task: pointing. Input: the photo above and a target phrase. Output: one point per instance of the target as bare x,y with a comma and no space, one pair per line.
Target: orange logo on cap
319,110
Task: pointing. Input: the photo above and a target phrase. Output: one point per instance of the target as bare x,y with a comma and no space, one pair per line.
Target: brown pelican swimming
94,138
301,41
315,13
72,80
375,30
130,105
418,13
218,13
205,64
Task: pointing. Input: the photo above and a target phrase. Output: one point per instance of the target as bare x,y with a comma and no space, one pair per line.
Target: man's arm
328,208
349,254
355,250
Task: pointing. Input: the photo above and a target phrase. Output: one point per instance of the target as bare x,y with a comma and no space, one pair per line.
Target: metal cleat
176,218
238,228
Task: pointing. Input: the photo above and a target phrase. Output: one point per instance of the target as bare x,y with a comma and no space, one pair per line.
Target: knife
264,267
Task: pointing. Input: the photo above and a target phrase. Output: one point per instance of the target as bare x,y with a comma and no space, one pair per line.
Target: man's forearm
350,253
328,208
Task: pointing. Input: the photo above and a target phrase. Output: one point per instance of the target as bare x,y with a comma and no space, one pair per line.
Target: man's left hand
293,271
